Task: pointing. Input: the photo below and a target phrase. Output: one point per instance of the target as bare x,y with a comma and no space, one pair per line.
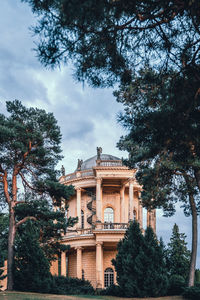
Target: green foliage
140,264
3,242
48,224
129,33
192,293
30,144
112,290
31,270
71,286
178,256
197,276
177,284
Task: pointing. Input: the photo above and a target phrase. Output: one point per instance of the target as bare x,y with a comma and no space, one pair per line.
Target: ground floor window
108,277
83,275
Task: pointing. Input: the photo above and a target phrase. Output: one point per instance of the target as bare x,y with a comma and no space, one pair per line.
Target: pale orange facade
106,199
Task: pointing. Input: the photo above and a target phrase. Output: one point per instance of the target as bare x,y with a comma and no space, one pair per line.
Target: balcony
97,227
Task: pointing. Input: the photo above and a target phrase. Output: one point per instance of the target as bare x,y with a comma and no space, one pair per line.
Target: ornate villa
106,199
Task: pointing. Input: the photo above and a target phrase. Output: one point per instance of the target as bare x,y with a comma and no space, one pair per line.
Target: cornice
79,237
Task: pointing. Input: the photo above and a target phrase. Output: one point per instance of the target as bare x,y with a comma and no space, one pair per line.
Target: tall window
82,219
83,275
108,277
109,215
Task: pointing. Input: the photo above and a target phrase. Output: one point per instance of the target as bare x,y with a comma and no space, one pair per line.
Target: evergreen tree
178,256
107,40
140,264
29,151
163,141
31,267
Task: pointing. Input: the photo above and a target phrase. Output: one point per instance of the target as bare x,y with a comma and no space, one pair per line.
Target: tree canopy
162,118
29,152
107,40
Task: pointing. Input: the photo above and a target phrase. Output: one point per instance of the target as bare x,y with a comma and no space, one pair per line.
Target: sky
87,116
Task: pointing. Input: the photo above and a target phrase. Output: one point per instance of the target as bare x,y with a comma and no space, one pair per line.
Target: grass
35,296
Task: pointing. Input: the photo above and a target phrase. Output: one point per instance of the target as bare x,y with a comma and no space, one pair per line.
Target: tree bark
11,239
194,242
12,231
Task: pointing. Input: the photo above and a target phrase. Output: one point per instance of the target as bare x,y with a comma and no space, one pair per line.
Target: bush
176,285
192,293
112,290
70,286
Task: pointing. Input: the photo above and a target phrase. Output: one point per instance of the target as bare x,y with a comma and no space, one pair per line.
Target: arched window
108,215
108,277
82,219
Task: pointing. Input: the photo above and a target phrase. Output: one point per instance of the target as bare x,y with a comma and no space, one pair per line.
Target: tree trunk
11,239
194,241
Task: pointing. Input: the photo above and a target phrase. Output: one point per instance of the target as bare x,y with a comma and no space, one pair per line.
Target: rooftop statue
63,170
80,162
99,151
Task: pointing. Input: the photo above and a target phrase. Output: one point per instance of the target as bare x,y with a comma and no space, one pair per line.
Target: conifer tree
161,113
140,264
29,151
107,40
31,266
178,256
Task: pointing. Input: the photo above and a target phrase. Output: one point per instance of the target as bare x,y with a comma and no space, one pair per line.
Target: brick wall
72,265
89,266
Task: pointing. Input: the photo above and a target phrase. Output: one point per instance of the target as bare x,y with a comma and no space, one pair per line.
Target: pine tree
161,113
129,33
178,256
140,264
31,267
29,152
37,243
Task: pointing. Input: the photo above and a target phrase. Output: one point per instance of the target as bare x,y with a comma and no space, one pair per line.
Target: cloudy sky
87,117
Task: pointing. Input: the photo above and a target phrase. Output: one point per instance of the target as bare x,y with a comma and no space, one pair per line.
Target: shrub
192,293
70,286
176,285
112,290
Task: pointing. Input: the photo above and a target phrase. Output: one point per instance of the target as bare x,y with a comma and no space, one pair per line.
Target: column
148,218
153,216
131,195
78,205
122,200
140,210
98,200
99,265
79,262
63,264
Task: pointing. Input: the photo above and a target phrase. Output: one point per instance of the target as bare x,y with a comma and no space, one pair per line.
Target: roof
91,162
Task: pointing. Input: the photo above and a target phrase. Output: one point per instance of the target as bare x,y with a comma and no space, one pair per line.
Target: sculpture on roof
63,170
80,162
99,151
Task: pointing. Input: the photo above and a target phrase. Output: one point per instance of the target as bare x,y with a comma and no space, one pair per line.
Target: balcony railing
97,227
110,226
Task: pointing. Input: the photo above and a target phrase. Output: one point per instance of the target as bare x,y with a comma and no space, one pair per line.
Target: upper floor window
82,219
109,215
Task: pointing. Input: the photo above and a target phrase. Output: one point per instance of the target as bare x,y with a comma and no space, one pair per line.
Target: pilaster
79,262
98,199
99,265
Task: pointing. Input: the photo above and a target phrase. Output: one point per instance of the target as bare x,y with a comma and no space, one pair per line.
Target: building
106,199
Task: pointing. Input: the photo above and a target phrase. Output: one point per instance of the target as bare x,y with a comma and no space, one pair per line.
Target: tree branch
24,220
